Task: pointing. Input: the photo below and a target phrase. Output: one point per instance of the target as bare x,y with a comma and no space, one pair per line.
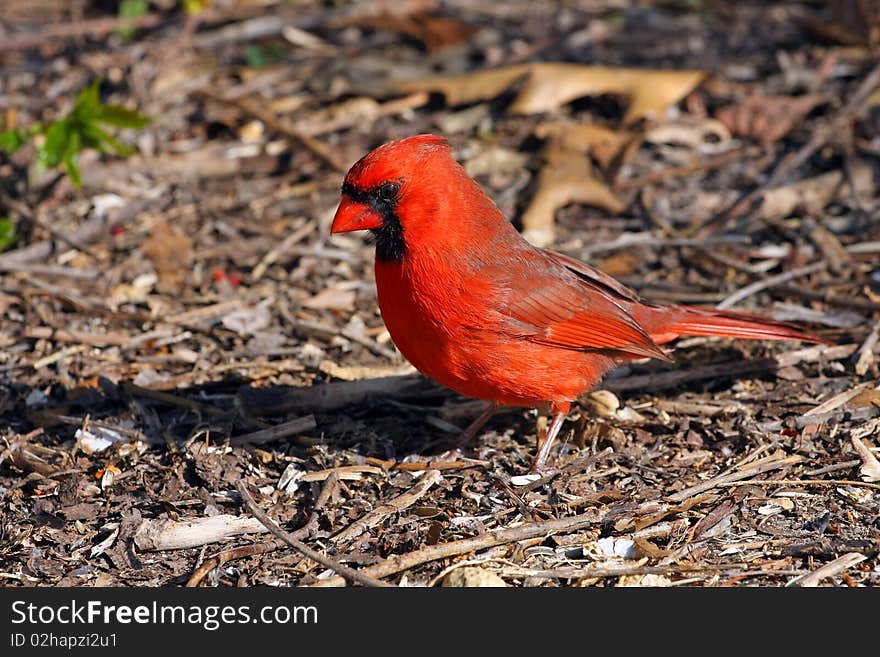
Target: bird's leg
559,411
467,436
474,427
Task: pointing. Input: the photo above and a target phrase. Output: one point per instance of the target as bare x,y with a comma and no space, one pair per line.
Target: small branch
249,550
399,563
771,281
283,430
391,507
344,572
329,396
280,125
756,468
677,377
837,566
156,535
228,555
88,231
806,482
89,28
865,355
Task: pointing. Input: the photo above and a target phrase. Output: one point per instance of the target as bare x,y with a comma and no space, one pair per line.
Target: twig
417,466
283,430
325,332
344,572
840,564
280,125
228,555
756,468
88,231
648,238
715,162
830,298
172,400
294,238
763,284
399,563
820,136
616,570
394,106
578,465
805,482
393,506
156,535
836,401
677,377
249,550
50,270
865,355
870,469
88,28
343,472
327,397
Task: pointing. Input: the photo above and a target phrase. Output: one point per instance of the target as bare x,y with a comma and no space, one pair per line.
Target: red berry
218,274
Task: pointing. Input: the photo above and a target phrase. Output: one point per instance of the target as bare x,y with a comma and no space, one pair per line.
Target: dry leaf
767,119
492,158
339,296
134,292
610,148
182,73
432,31
698,135
867,398
547,86
603,403
249,321
870,469
644,580
811,196
171,251
472,576
567,177
624,263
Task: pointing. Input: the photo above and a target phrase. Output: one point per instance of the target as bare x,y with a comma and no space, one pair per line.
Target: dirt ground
181,330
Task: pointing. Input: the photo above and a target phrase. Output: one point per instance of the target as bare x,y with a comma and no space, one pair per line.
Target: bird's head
403,192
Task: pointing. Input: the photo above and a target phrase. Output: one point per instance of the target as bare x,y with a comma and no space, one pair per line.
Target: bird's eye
388,191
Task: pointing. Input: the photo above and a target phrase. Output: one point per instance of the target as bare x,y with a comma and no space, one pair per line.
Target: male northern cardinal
473,305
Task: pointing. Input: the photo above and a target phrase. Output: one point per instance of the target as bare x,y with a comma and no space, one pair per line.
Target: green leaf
88,102
130,9
12,140
58,137
95,137
121,117
69,159
7,233
258,56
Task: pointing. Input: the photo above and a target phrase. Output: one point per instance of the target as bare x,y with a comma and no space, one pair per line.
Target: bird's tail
665,324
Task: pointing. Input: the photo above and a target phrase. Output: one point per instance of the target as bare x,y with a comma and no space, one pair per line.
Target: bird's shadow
387,419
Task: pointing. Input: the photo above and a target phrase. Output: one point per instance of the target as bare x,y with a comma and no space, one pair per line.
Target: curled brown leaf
767,119
546,86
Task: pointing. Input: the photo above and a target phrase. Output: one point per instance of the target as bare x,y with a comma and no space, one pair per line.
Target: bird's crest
389,160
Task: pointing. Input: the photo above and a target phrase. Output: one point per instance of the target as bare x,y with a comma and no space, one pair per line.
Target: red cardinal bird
473,305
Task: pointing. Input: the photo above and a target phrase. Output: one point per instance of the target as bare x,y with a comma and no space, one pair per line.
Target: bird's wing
593,275
564,303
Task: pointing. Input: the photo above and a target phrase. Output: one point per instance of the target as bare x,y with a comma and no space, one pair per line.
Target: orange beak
351,215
